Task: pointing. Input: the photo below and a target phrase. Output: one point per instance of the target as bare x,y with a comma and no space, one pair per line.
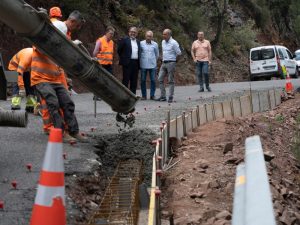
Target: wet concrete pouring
87,191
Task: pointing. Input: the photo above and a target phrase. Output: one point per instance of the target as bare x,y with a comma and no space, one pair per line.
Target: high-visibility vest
106,51
44,70
21,63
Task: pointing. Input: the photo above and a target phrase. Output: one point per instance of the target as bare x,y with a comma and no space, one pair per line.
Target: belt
168,61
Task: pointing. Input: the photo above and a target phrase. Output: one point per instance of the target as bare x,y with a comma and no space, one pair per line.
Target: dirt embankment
199,189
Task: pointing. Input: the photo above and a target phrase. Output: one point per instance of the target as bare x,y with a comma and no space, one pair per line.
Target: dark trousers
57,97
202,70
26,79
130,75
109,68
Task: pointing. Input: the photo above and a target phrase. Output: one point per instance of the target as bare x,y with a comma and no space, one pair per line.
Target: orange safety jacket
21,63
106,51
44,70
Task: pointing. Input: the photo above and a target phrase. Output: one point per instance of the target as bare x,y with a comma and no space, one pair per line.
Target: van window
285,54
262,54
289,54
255,55
281,56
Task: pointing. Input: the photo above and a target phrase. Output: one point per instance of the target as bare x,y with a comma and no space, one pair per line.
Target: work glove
77,42
22,93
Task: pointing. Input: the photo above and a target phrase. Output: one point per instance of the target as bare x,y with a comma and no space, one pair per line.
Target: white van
266,61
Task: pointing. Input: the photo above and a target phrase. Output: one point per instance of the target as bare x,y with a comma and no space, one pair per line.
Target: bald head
167,33
149,36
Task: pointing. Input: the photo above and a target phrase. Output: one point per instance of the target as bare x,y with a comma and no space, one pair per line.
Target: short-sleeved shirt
61,26
170,50
149,55
201,50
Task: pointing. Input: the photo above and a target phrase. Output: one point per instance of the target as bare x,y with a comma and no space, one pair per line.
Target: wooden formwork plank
173,128
166,146
272,99
180,133
255,102
202,114
188,123
209,112
218,110
246,105
264,101
236,107
194,119
278,96
227,111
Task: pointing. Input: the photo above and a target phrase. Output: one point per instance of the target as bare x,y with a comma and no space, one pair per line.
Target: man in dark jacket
129,52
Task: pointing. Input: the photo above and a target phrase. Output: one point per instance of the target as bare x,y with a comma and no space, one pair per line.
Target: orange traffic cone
49,205
288,84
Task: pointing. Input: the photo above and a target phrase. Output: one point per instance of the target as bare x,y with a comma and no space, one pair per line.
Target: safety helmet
55,12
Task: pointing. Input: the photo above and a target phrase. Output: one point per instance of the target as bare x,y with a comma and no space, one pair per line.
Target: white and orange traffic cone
49,205
288,84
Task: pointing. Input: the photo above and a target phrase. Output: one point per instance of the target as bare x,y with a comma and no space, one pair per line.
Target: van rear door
263,61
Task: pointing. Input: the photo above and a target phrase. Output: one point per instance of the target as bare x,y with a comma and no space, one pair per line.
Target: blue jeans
152,73
202,69
28,89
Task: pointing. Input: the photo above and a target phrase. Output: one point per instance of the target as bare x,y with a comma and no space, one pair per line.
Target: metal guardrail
182,125
252,197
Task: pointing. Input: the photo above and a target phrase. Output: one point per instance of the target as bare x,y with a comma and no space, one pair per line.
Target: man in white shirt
129,54
170,52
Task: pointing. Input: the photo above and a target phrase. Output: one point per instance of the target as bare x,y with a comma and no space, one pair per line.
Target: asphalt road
20,146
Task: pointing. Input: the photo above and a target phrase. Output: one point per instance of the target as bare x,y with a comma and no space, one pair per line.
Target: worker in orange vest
104,50
47,78
55,15
21,63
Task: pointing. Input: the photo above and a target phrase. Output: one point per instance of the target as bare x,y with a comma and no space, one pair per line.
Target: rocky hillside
233,27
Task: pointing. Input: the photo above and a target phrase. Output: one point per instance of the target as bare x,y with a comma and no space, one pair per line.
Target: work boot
209,89
161,99
31,103
68,138
16,102
170,100
79,137
201,90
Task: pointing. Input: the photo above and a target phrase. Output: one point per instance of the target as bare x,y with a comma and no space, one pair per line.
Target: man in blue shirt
170,51
148,62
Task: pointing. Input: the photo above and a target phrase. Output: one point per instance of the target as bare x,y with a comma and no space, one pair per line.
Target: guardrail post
238,214
259,207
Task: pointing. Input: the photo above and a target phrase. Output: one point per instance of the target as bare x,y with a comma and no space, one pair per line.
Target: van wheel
251,78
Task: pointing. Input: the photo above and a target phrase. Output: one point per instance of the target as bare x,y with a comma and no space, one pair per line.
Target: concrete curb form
179,128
